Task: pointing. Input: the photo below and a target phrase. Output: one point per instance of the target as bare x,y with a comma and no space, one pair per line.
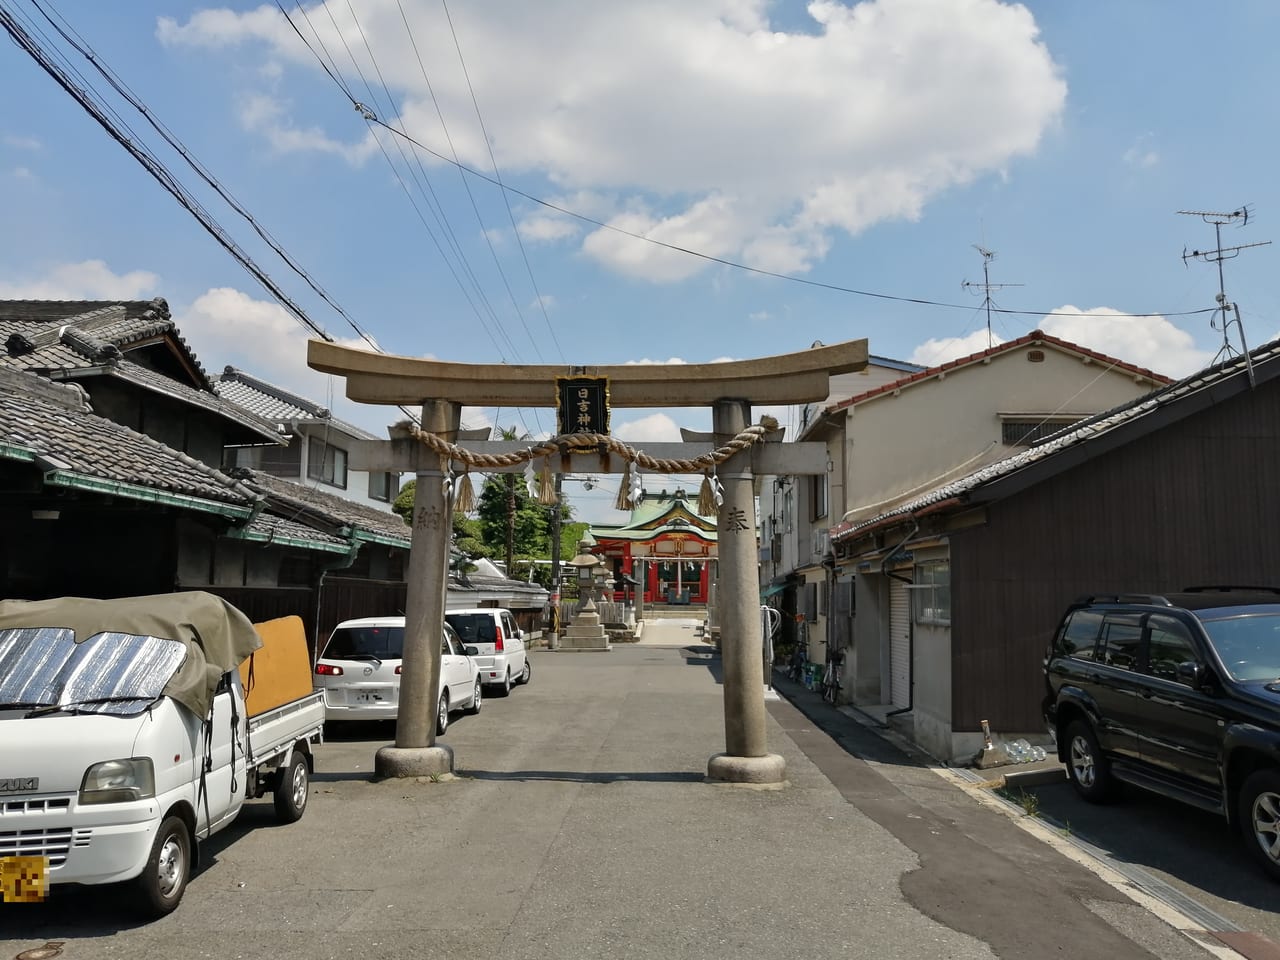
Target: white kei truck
133,729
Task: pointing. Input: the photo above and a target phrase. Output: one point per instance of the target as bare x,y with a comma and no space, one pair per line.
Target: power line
201,170
154,167
497,175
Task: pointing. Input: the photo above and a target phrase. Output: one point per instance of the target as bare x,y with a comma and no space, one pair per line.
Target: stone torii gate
732,456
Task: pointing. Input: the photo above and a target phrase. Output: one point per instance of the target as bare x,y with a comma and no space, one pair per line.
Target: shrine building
666,548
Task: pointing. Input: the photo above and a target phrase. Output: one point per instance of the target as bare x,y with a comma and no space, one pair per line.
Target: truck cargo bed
275,730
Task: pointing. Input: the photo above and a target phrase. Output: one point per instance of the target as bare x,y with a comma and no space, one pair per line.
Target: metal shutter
899,644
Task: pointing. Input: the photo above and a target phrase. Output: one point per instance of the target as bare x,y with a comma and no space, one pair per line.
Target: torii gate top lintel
801,377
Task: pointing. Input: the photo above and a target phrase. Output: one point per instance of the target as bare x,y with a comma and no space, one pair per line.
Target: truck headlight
119,781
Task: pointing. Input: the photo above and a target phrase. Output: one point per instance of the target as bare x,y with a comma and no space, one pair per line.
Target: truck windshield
1249,646
118,673
361,643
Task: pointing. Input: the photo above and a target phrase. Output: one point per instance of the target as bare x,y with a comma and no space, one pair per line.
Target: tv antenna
1230,311
987,286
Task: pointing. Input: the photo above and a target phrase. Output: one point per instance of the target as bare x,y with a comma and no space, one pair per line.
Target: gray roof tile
320,507
277,404
55,423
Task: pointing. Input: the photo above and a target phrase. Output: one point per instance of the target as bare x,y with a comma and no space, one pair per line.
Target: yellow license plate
24,879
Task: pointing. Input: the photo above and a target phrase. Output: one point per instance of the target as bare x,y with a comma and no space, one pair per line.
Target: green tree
509,482
527,522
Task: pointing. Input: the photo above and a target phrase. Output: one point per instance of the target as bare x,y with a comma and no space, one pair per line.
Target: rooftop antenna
1230,311
987,286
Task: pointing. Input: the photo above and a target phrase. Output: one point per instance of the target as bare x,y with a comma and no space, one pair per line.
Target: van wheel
442,713
527,672
1087,769
504,687
477,698
1259,816
168,869
291,790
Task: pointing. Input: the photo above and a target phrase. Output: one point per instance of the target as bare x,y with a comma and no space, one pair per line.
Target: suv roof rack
1151,598
1222,588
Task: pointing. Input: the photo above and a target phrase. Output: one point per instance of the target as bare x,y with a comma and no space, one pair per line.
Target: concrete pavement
580,826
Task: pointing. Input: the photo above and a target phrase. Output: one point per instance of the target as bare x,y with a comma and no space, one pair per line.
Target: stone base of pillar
771,768
407,762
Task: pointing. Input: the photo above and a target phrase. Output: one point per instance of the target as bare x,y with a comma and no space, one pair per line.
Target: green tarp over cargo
216,635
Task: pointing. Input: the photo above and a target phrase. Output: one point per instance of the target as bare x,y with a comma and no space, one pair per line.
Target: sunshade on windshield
215,637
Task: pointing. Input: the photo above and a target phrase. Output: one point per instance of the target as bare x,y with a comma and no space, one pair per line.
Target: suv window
1080,635
1248,645
1170,644
352,642
1121,637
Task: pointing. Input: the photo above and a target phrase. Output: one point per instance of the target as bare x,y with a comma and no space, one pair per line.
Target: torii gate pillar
745,759
416,753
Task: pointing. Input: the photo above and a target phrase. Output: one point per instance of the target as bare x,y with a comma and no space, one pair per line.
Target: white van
128,737
500,649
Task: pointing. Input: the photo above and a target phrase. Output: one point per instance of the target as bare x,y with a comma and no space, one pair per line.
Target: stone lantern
586,633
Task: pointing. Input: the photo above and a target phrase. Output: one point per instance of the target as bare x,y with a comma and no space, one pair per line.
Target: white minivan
500,649
359,672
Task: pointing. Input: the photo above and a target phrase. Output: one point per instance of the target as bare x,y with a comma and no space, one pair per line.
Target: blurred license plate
370,696
24,879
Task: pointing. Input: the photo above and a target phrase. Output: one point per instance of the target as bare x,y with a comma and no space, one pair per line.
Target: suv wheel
1087,769
1259,816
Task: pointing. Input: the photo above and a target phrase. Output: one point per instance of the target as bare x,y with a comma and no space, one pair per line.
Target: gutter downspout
911,634
341,563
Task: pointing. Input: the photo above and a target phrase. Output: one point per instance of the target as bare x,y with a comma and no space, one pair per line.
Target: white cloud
226,327
546,228
22,173
933,353
654,428
1151,342
1141,155
87,280
697,122
268,116
19,142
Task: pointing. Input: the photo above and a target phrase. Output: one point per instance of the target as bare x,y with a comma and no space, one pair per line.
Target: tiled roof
319,507
42,419
277,404
1265,359
1035,336
269,528
92,344
123,324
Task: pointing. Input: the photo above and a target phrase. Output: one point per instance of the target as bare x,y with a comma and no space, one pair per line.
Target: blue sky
867,146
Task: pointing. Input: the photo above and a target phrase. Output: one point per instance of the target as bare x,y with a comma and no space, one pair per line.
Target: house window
817,496
931,592
1029,431
788,510
381,487
326,463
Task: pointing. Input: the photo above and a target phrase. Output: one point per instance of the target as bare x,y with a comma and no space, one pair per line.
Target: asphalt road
580,826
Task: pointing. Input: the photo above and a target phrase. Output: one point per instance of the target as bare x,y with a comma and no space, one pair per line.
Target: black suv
1179,694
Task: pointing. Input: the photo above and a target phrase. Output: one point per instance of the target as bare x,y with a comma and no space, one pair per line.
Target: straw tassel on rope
706,497
466,495
623,502
546,485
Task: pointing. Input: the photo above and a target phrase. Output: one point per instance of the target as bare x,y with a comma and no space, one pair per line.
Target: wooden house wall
1194,503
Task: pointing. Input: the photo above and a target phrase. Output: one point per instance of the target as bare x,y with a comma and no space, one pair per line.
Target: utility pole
987,286
557,510
1218,254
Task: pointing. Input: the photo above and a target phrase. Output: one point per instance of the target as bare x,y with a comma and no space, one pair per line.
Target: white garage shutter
899,644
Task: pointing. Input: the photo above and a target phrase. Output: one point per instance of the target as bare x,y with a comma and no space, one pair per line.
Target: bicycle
799,665
831,678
